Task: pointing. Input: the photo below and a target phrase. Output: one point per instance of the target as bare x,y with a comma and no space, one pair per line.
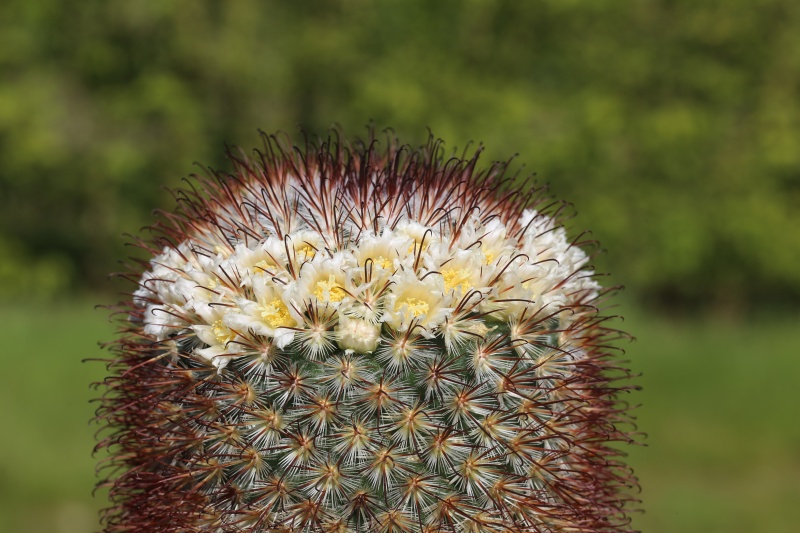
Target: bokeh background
673,126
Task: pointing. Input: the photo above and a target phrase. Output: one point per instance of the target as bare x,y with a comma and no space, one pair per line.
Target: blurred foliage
672,125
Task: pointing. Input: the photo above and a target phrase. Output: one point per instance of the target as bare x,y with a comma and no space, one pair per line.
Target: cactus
348,338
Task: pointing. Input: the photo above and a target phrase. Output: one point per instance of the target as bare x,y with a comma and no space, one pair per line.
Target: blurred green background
672,125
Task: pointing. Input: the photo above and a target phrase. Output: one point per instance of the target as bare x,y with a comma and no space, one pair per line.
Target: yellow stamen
415,246
223,333
306,250
416,306
332,288
383,262
276,314
489,256
454,278
263,265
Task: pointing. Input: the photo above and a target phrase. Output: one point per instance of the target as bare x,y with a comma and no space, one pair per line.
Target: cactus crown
347,338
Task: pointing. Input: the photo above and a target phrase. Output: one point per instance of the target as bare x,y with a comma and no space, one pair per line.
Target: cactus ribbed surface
359,338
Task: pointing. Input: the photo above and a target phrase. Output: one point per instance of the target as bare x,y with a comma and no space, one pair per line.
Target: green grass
719,406
46,466
720,410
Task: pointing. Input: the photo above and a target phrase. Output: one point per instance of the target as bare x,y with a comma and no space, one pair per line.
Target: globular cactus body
343,338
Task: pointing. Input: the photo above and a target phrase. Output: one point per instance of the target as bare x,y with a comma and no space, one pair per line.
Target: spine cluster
345,339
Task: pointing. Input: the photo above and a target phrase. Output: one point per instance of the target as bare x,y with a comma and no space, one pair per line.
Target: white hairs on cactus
338,338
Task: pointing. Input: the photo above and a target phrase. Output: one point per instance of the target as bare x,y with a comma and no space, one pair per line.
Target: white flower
204,283
535,223
384,252
416,301
531,286
269,315
463,272
265,259
410,276
421,237
324,280
490,239
161,320
359,335
216,334
305,244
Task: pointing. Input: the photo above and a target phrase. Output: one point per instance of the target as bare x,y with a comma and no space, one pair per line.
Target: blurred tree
673,125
